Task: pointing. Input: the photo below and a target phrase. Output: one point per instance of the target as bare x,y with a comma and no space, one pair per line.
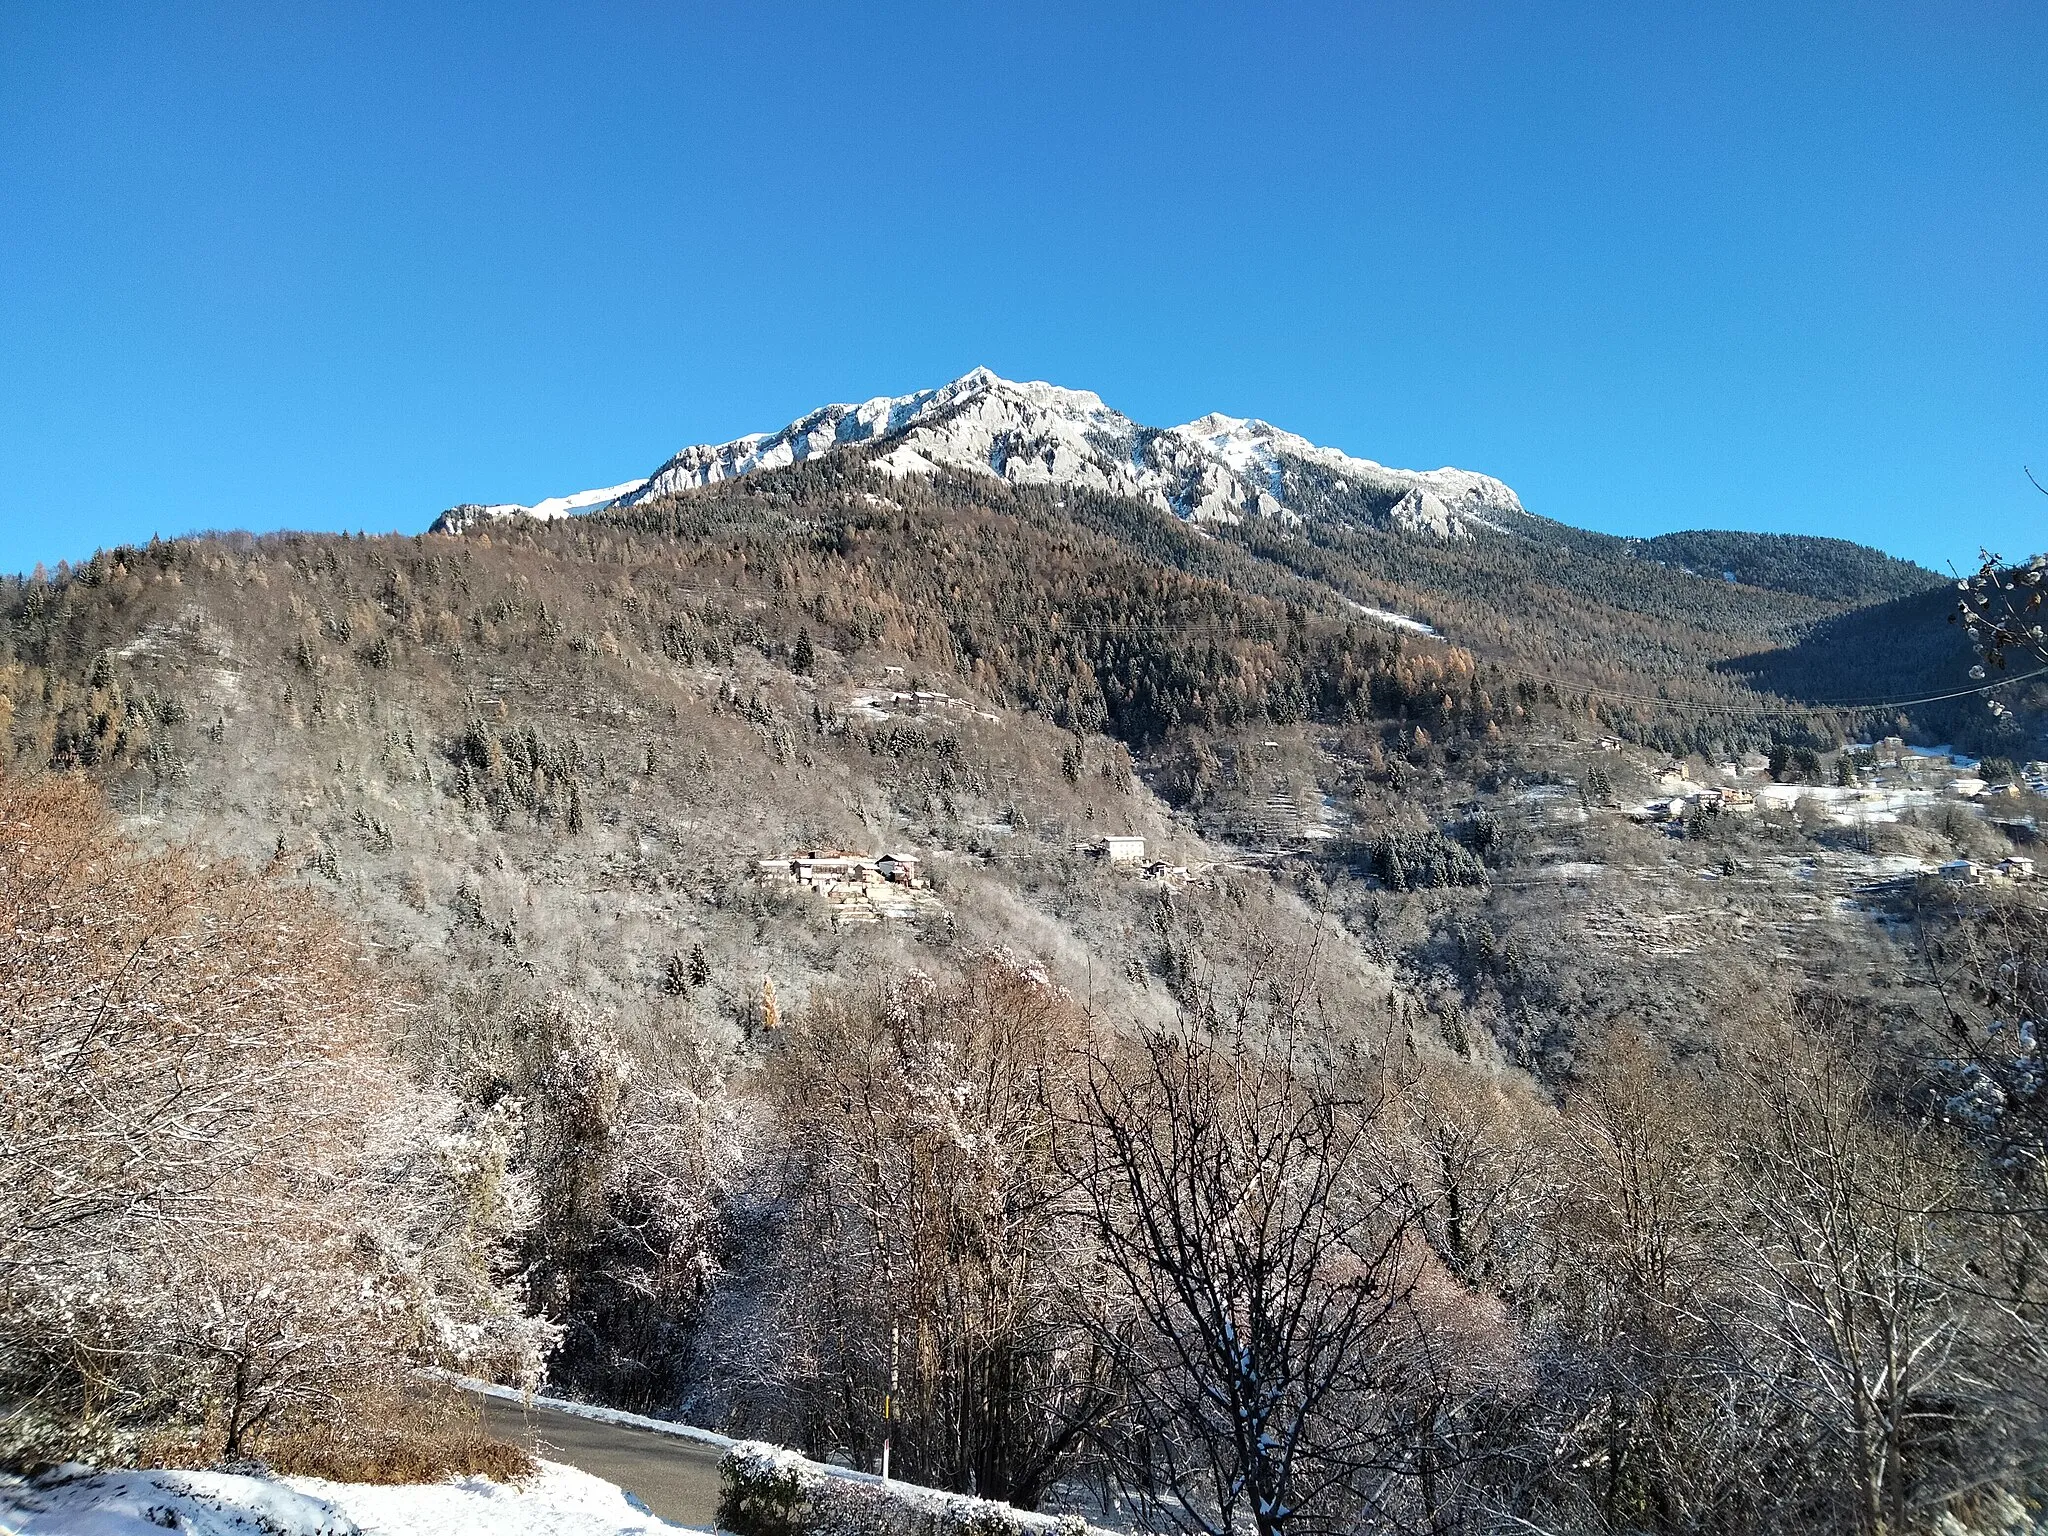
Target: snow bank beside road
148,1503
770,1491
559,1501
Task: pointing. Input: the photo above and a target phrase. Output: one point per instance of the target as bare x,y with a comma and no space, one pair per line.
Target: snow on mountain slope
1257,451
828,427
455,519
1215,469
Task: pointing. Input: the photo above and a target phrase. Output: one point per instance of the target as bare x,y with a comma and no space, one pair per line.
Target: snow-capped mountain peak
1214,469
1439,501
1247,444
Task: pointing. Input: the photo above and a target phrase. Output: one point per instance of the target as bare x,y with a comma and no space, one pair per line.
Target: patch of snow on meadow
558,1501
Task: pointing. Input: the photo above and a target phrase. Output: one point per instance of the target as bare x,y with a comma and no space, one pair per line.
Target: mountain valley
642,793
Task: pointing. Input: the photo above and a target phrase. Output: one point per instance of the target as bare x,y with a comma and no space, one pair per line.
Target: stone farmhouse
857,887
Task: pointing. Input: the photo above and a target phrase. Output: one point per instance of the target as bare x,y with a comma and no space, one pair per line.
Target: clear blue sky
1657,266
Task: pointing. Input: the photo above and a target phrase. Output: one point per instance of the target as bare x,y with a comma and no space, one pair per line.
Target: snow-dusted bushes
628,1153
221,1204
772,1492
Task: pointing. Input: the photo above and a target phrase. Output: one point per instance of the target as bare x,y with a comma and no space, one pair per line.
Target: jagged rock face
465,517
1420,511
827,428
1302,477
1215,469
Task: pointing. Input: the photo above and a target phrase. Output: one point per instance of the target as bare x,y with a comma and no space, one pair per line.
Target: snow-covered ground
1944,752
1391,619
1851,805
884,703
557,1501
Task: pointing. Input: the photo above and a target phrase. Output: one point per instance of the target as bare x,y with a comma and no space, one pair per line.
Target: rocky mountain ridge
1216,469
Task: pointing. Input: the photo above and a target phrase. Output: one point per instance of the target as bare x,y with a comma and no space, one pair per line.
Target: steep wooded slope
1581,623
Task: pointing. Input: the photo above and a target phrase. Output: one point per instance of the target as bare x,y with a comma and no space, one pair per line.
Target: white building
899,868
1124,850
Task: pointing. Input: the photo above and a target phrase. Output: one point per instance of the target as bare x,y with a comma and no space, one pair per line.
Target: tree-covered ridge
1176,627
1903,649
1101,613
1835,571
1141,632
1829,569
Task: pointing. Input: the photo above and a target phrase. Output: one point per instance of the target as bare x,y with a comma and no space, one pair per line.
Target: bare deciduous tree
1264,1267
1850,1230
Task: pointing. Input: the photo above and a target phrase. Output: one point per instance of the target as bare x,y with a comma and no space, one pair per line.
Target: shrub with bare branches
220,1204
1280,1323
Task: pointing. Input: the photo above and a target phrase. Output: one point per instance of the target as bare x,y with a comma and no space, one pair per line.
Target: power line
1855,704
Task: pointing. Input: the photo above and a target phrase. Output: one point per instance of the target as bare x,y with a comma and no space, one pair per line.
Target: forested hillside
1518,1032
1585,621
1906,648
1831,569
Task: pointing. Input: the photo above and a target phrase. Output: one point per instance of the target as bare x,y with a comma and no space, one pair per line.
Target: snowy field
559,1501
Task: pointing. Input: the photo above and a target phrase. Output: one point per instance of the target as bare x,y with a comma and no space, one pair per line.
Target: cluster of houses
1954,778
1126,851
857,887
1682,797
1712,798
1964,782
1970,872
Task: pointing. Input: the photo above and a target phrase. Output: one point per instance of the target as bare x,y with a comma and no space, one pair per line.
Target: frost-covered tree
629,1158
220,1200
924,1252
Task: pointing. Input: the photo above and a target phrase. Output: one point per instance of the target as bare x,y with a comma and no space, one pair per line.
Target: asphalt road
676,1478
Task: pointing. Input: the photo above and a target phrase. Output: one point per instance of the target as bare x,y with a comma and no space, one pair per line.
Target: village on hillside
1875,784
